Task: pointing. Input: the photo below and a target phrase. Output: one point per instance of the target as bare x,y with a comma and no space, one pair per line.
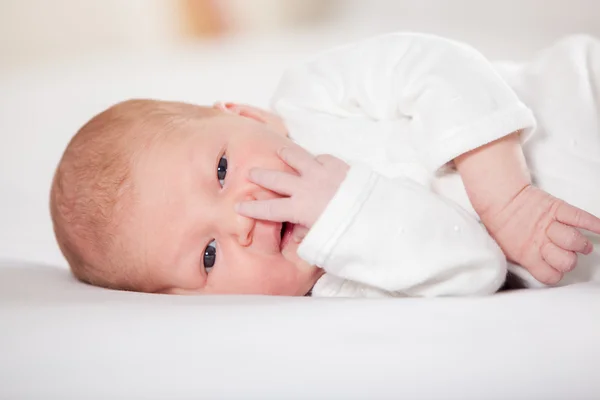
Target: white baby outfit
398,108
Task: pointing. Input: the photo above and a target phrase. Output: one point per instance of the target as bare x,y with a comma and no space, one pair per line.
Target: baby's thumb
299,233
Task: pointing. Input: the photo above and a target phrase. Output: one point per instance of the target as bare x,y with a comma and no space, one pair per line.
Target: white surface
61,339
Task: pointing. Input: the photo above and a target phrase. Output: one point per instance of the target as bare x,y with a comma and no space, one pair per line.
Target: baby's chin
310,273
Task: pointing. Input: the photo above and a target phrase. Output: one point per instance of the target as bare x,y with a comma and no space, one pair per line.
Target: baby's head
143,199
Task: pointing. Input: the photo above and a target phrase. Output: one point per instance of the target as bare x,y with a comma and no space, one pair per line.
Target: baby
441,167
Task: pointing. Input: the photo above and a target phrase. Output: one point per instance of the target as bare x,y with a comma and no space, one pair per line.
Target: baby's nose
243,226
245,235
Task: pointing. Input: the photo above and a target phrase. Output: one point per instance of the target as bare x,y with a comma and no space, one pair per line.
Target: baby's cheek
251,267
262,154
272,274
285,280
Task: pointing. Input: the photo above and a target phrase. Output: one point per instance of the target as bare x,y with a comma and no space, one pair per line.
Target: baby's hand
540,232
307,193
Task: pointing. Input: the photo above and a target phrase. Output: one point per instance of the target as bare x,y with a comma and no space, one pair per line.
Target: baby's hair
92,187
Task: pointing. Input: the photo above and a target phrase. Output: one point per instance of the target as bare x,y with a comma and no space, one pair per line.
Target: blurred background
37,31
63,61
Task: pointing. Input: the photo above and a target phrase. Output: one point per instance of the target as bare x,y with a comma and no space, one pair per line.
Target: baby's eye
222,169
210,256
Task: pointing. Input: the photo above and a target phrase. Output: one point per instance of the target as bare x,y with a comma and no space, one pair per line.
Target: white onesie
398,108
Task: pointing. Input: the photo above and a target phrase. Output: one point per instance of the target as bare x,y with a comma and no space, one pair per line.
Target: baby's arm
392,235
494,174
534,229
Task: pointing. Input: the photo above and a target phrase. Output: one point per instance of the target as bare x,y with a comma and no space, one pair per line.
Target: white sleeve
450,95
398,236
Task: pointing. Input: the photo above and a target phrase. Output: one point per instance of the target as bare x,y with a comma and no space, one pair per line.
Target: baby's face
184,225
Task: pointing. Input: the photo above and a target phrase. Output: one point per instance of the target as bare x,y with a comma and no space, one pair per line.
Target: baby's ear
258,114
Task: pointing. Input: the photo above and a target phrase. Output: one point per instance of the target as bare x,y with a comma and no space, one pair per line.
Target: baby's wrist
500,202
494,174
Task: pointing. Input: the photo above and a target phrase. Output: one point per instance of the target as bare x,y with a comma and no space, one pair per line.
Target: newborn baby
426,189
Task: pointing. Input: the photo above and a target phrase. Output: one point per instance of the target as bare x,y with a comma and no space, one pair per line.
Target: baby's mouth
283,227
286,234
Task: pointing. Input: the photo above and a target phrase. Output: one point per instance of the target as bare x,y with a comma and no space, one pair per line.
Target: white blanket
61,339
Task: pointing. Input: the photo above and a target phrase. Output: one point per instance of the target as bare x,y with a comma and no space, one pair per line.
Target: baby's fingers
299,233
568,238
544,272
560,259
570,215
297,158
277,210
276,181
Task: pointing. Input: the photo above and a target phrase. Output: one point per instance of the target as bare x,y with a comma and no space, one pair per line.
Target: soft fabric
61,339
399,108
